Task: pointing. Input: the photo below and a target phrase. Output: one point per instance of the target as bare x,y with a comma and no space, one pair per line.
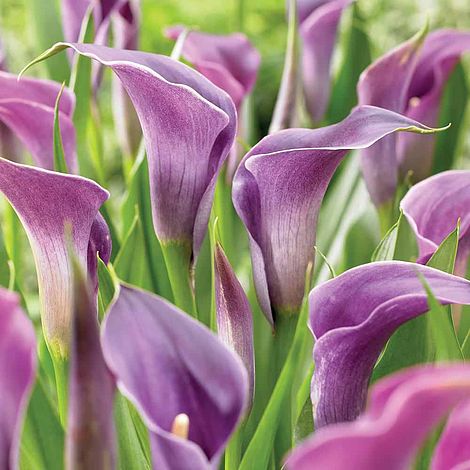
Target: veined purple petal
231,62
403,410
27,109
385,83
169,364
90,439
234,315
278,190
318,32
351,334
18,370
440,53
434,206
189,125
45,202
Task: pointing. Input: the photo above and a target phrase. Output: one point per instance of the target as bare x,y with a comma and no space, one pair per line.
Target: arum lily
278,190
231,62
433,208
319,20
234,316
90,428
18,366
27,109
189,388
410,80
350,335
402,411
45,202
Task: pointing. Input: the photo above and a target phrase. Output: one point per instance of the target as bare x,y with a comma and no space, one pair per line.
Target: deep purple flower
188,125
90,438
229,61
278,190
18,371
234,315
352,317
46,202
190,389
402,411
27,109
410,79
319,20
434,206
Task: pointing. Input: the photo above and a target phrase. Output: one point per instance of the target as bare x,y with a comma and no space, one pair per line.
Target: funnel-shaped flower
177,374
433,208
410,80
403,410
18,369
27,109
90,440
46,202
231,62
234,315
278,190
353,316
189,126
318,27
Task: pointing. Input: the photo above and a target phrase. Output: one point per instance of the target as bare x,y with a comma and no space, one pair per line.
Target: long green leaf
60,164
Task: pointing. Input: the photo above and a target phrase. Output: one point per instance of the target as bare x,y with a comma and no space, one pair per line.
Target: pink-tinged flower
410,80
234,315
90,438
319,20
402,411
190,389
46,202
18,371
27,109
229,61
353,316
278,189
433,208
189,126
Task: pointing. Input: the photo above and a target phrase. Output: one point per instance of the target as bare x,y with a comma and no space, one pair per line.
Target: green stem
386,217
177,259
61,368
233,452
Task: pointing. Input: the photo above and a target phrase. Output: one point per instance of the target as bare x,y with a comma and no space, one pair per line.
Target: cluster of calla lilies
161,346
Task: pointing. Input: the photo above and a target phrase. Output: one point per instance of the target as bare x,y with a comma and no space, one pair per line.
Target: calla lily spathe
402,411
409,80
278,190
18,371
319,20
190,389
189,126
433,208
234,315
350,335
27,109
46,202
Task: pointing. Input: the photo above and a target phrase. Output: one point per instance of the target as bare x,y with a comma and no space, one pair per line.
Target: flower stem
61,368
178,263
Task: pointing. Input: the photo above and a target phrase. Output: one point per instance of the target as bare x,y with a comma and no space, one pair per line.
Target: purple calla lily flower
45,202
409,80
231,62
189,388
90,439
18,366
403,409
27,109
350,335
234,315
278,190
319,22
189,126
433,207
